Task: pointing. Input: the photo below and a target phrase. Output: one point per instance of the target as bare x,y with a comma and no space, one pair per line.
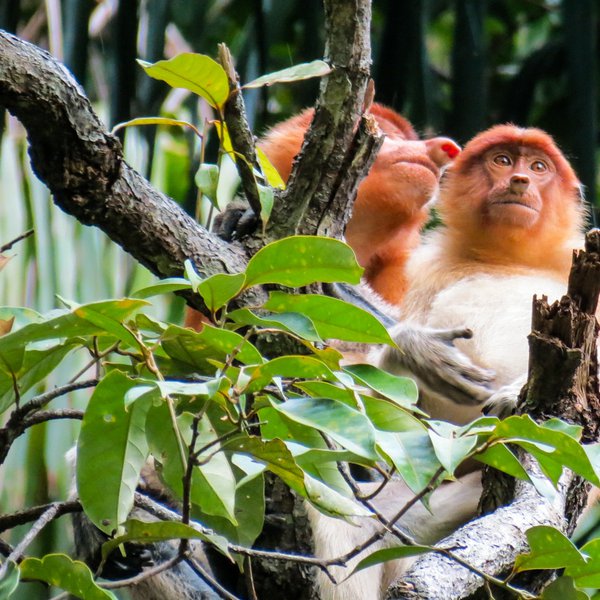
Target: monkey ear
442,150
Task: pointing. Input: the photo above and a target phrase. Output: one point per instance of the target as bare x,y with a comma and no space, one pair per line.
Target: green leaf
34,366
450,448
502,458
156,121
197,348
158,531
316,68
213,483
166,286
266,198
301,260
388,416
323,389
269,171
116,434
563,588
401,390
549,549
412,454
348,427
386,554
275,456
70,575
197,73
290,322
553,449
191,273
332,318
219,289
207,180
10,581
331,501
68,324
305,367
249,510
588,574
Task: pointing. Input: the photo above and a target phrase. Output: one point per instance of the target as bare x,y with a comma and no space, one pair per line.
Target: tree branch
83,166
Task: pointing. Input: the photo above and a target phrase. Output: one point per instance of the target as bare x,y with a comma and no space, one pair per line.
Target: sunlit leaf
549,549
156,121
270,173
207,180
588,574
348,427
301,260
219,289
166,286
305,367
316,68
59,570
401,390
552,448
197,73
291,322
275,456
332,318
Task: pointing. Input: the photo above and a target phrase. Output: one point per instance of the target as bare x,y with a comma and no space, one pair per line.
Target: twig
209,579
146,574
52,415
31,514
17,239
17,553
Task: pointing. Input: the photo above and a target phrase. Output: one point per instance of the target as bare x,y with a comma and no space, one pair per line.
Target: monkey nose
519,184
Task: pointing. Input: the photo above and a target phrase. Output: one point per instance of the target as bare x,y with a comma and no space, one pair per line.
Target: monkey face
519,177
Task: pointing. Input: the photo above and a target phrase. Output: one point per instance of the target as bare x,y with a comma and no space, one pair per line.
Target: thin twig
17,239
146,574
31,514
209,579
17,553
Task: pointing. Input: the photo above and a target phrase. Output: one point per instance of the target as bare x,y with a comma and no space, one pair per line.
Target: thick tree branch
82,164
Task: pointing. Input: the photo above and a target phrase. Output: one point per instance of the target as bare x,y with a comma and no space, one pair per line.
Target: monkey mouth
516,202
421,161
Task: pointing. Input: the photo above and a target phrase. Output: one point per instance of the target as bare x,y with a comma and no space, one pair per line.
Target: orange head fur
511,197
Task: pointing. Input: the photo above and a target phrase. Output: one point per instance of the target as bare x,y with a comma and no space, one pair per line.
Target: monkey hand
430,356
503,401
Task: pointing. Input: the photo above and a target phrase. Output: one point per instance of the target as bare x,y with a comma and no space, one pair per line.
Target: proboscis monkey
512,212
391,204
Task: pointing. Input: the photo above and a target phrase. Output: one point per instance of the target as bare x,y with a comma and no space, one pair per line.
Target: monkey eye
539,166
503,160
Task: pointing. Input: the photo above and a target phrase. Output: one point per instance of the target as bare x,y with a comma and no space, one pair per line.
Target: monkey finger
449,335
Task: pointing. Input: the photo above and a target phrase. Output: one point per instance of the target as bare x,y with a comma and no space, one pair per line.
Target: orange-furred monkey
512,214
390,207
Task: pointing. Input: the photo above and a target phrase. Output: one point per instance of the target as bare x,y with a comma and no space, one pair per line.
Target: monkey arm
426,353
430,356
